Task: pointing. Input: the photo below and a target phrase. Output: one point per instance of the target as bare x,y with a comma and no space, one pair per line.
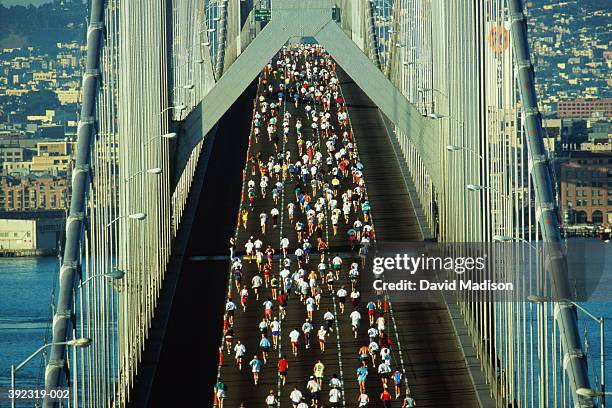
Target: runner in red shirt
385,397
282,303
283,365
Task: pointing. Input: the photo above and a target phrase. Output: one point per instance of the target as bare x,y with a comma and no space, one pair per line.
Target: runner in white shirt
310,306
263,217
295,397
275,328
373,349
346,210
383,371
363,400
385,355
321,334
304,289
263,184
335,218
337,263
230,307
315,391
274,213
290,209
248,247
341,294
256,283
372,333
329,320
258,244
355,319
294,336
284,245
239,350
299,254
380,323
335,382
244,296
271,400
334,397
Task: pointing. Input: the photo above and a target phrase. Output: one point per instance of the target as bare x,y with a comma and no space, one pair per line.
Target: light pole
177,107
432,90
455,148
80,342
152,171
170,135
136,216
188,87
506,238
478,187
114,275
586,392
434,115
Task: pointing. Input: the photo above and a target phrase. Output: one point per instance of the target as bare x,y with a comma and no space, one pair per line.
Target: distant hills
42,26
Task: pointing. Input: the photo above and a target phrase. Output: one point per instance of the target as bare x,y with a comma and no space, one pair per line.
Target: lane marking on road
336,316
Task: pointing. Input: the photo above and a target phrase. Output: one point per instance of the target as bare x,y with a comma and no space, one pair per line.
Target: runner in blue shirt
397,379
362,374
264,343
255,364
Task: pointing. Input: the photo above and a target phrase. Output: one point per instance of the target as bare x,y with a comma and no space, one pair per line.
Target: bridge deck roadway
435,369
432,362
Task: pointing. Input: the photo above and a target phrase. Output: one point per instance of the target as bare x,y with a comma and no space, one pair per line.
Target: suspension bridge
444,117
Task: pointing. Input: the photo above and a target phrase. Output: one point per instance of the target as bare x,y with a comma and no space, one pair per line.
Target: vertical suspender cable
75,222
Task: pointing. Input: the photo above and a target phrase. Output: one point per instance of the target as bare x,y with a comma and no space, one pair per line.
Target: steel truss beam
294,20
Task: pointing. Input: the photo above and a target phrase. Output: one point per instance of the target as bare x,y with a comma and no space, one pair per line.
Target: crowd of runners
307,163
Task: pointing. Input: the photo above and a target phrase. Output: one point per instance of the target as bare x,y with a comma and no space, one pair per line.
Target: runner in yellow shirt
318,370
